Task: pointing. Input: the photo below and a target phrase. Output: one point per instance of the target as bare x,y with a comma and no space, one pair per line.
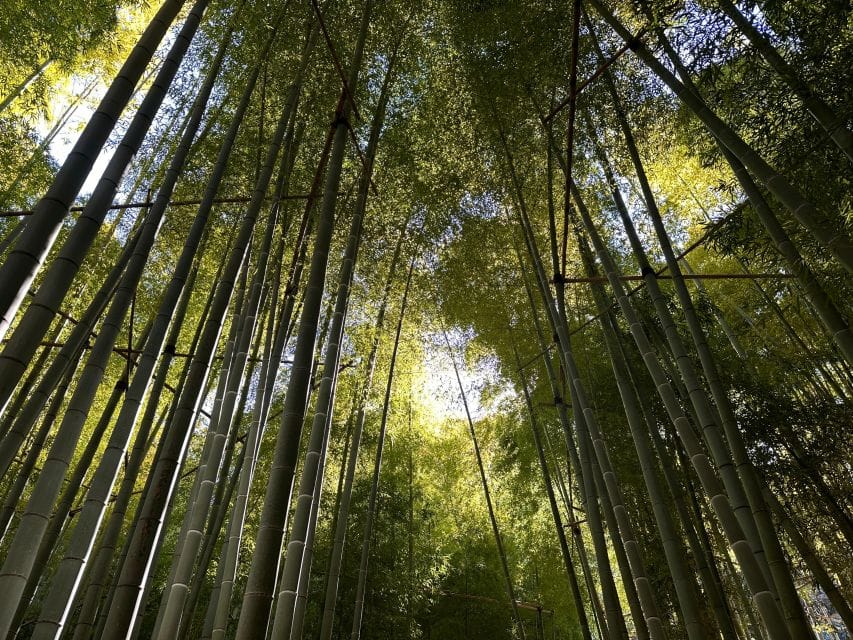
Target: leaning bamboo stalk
46,489
831,122
552,501
156,549
262,391
216,620
25,84
307,506
66,583
703,558
36,371
833,239
31,249
18,565
632,572
136,566
673,550
176,295
66,501
615,620
212,416
156,546
596,465
833,320
719,601
249,439
563,415
642,601
763,598
221,505
608,586
208,470
227,566
16,490
779,570
740,486
225,486
45,143
219,425
89,595
301,605
68,357
333,572
612,621
577,540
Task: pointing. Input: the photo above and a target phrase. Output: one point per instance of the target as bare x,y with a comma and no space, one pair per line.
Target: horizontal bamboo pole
705,237
173,203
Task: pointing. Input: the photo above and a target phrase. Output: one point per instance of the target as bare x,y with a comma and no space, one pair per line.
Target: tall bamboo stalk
345,493
562,412
209,468
307,499
829,314
580,460
18,91
673,550
257,601
89,594
174,301
219,608
763,598
66,501
67,357
552,501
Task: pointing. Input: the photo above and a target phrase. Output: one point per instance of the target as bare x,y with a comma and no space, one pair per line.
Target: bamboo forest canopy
443,319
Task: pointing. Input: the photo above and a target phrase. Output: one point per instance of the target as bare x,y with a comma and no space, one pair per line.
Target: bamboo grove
443,319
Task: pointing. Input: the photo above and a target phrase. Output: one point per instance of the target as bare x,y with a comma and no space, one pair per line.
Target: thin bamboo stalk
510,590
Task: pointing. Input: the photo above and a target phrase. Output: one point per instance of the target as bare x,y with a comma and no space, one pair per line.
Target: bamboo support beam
694,245
172,203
